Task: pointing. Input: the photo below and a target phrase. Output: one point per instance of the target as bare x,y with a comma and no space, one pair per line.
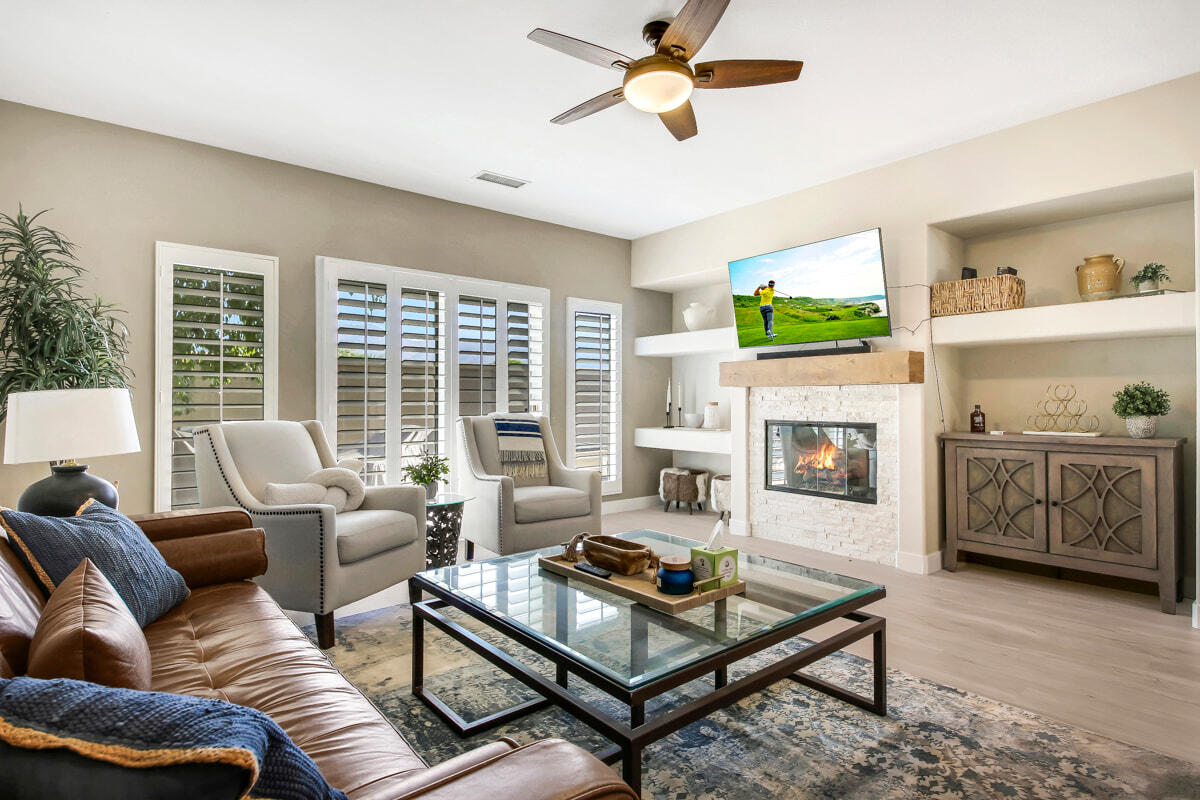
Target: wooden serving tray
641,588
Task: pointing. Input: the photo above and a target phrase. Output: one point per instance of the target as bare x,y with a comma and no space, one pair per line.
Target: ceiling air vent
503,180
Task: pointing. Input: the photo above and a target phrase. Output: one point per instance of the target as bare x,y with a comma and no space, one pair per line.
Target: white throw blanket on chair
334,486
522,451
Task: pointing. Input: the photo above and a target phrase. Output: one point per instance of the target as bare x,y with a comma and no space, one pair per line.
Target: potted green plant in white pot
1140,405
1149,277
427,472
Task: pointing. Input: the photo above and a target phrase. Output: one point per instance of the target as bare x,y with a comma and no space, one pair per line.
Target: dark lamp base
67,488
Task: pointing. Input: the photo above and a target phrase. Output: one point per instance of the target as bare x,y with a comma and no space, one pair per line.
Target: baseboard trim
629,504
920,563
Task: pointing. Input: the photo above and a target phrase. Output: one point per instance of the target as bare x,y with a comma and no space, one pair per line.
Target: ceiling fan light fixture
658,85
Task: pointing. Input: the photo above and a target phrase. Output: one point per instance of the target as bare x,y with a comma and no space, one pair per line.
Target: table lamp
61,426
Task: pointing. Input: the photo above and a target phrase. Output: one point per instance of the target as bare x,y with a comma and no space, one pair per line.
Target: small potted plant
1149,276
1140,405
427,472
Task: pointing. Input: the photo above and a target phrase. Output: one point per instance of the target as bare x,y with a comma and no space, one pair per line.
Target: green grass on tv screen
808,319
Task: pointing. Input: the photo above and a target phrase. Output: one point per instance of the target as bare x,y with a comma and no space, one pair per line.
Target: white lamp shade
59,424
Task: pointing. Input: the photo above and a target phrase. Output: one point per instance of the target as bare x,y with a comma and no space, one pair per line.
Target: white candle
668,395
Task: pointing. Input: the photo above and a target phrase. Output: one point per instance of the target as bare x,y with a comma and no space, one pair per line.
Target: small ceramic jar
675,575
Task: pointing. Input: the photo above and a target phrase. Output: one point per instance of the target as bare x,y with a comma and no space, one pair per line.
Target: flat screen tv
819,292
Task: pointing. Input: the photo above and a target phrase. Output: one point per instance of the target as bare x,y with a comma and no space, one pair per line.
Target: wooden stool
681,485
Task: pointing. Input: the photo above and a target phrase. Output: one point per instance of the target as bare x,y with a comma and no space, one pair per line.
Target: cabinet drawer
1000,497
1104,508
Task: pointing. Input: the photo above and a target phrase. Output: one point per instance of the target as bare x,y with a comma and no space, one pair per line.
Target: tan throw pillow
87,633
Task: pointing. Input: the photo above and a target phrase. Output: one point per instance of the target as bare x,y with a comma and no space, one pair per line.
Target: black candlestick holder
668,425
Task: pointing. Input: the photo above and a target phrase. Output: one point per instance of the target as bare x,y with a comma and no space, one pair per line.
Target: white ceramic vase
697,317
1141,427
1147,286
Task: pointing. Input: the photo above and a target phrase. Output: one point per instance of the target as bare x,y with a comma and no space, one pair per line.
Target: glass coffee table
635,653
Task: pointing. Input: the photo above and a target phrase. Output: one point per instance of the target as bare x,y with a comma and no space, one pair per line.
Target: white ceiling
421,95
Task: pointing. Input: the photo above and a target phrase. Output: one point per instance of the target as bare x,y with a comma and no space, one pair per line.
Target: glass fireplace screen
828,459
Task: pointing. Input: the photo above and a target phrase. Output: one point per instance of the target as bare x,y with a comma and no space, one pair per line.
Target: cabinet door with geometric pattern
1000,497
1102,507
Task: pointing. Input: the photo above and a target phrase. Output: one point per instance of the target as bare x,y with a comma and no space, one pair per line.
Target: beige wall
1045,256
115,191
1151,133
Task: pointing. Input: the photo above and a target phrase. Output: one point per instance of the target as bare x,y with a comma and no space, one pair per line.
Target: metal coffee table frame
631,737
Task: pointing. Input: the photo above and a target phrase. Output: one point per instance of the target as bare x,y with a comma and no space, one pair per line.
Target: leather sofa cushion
232,642
539,503
365,533
86,633
21,603
489,452
271,452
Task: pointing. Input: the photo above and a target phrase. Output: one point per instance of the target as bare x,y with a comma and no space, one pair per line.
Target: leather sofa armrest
547,770
191,522
212,558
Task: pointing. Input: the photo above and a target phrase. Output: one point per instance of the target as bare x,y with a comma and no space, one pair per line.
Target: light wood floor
1105,660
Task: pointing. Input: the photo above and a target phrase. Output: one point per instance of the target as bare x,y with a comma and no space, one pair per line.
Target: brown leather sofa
230,640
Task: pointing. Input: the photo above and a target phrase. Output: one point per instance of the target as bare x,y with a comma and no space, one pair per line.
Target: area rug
784,742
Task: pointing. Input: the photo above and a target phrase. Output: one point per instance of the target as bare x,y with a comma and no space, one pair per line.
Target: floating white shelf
1119,318
688,343
692,440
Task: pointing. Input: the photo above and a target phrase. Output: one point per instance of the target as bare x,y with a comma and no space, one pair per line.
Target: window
525,330
401,354
476,356
216,330
362,376
421,416
594,389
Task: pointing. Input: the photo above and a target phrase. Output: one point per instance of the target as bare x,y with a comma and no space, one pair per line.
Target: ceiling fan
662,83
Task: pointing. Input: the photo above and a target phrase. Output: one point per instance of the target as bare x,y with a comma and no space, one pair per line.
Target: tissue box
721,562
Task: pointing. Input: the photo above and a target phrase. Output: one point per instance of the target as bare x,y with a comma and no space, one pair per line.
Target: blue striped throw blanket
522,452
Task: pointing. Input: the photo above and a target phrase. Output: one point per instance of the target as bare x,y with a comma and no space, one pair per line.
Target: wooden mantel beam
889,366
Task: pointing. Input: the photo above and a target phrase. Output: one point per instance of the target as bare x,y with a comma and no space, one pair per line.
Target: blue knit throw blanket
522,452
155,729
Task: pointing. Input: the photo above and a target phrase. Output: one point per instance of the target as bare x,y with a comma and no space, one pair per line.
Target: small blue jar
675,575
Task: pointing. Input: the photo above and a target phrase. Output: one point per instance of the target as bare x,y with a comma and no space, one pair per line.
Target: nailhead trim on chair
320,519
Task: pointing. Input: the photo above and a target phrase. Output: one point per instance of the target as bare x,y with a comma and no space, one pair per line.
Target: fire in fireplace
828,459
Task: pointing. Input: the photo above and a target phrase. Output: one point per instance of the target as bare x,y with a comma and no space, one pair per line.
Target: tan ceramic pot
1099,277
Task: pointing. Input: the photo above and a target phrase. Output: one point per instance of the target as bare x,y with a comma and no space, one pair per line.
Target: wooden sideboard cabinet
1108,505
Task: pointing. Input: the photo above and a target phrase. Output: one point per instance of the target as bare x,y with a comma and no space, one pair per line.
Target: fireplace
827,459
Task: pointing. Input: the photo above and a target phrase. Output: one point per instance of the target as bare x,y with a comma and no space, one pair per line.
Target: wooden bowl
613,554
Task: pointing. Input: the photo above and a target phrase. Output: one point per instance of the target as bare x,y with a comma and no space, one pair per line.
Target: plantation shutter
524,328
217,361
422,375
476,355
595,407
362,377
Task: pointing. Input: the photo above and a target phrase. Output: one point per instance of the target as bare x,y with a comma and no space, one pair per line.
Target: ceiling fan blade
681,122
588,107
733,74
594,53
691,27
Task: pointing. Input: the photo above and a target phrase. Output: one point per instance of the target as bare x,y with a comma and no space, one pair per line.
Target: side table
443,523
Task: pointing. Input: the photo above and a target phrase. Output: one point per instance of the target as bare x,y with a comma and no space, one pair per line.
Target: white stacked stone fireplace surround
858,530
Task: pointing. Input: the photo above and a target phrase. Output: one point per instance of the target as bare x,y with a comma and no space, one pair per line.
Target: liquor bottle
977,421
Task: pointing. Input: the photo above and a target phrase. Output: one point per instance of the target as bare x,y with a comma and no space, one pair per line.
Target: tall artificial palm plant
52,336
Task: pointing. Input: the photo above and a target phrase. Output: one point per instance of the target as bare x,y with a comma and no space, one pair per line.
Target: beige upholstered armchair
317,560
511,515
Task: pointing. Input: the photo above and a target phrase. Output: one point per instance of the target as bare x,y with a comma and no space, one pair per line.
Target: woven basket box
993,293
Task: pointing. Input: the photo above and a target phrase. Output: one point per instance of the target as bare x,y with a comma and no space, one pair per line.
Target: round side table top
447,499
